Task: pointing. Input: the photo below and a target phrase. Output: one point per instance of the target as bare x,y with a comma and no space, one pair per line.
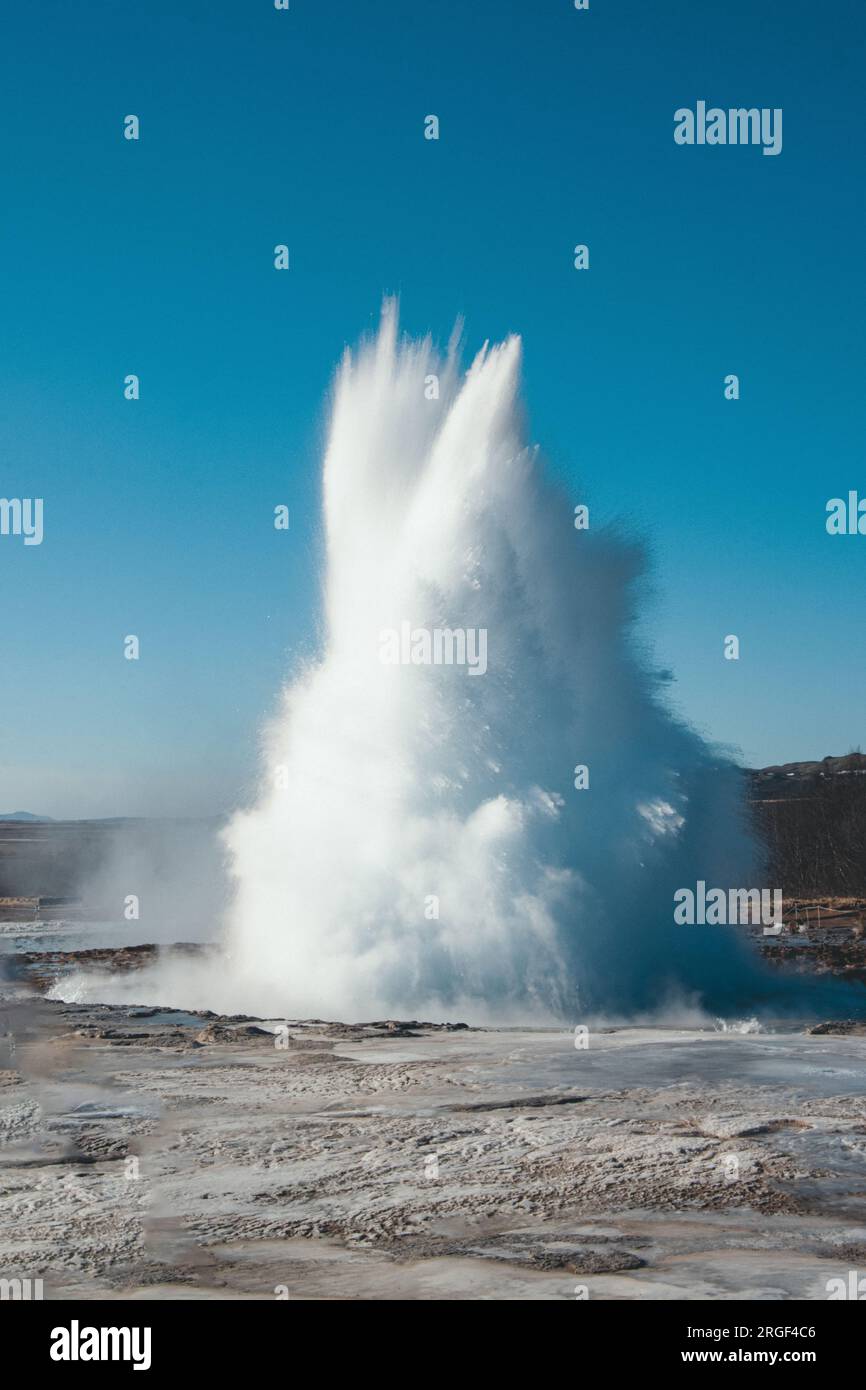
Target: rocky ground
151,1153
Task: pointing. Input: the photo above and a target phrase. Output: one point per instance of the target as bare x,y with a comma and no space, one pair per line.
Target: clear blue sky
306,127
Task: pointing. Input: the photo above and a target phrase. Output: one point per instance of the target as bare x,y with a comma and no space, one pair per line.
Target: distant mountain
806,778
23,815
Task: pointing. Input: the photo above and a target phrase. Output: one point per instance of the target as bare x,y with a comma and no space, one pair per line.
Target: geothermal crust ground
150,1153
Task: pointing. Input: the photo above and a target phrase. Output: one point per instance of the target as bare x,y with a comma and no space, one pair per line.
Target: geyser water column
418,846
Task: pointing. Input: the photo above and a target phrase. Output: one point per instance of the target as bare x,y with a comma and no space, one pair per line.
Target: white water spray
418,847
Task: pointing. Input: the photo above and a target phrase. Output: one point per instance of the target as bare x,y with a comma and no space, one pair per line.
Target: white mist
391,791
418,847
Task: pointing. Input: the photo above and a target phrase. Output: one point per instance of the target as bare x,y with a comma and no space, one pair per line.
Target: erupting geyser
418,847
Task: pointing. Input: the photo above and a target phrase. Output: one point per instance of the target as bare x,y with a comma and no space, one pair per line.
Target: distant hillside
803,779
174,866
811,817
23,815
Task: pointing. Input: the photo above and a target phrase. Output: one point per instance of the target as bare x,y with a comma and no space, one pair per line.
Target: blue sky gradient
306,127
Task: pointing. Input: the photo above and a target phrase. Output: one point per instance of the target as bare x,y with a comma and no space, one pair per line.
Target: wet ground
156,1153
